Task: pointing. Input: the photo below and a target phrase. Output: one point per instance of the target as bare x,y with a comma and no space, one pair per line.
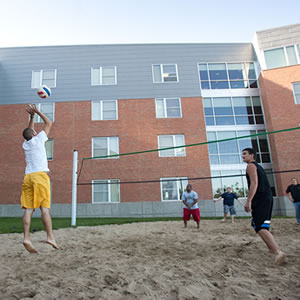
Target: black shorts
262,206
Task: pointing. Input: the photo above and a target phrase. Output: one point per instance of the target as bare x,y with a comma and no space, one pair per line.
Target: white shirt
189,199
35,154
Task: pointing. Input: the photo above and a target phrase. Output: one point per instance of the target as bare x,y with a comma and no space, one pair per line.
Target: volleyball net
134,176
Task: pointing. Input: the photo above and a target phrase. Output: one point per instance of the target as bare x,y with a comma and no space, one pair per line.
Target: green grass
14,225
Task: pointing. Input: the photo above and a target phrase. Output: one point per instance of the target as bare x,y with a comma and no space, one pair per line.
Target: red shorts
194,212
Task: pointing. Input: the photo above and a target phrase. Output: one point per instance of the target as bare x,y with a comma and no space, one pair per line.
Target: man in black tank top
260,202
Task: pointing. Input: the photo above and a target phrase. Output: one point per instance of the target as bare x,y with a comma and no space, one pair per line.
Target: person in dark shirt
293,192
260,202
228,203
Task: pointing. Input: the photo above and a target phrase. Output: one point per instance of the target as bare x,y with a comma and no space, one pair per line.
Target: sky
78,22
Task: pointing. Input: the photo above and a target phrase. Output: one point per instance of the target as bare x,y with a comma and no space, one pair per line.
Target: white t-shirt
189,199
35,154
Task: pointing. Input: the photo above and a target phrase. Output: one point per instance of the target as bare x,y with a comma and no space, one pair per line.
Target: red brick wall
281,112
137,129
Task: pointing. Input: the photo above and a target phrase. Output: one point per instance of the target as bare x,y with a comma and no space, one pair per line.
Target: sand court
159,260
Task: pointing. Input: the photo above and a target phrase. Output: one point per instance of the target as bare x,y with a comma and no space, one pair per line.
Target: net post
74,187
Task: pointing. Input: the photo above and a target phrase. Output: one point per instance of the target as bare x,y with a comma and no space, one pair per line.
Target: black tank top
263,186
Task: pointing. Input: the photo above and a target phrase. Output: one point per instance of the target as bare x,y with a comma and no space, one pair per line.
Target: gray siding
134,69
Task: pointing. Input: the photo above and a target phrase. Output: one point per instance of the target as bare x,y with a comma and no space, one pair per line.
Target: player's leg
26,227
47,221
268,238
226,209
196,216
232,213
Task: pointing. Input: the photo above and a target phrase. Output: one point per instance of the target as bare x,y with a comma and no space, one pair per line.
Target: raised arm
47,122
31,113
252,172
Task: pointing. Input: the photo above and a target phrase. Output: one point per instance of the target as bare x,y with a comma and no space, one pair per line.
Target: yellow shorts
36,190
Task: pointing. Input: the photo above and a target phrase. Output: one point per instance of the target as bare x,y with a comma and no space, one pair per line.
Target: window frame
52,149
294,94
101,110
100,76
165,108
177,182
161,73
109,191
39,119
296,47
108,146
41,77
174,145
247,79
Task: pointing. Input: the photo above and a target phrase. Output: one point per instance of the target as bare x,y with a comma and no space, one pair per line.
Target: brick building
112,99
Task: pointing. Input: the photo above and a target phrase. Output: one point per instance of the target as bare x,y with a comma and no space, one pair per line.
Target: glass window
291,54
251,70
242,105
164,73
109,75
104,110
168,108
222,106
47,77
207,103
227,146
216,184
106,191
104,76
275,58
172,189
217,72
168,141
296,88
103,146
237,75
47,109
169,73
49,149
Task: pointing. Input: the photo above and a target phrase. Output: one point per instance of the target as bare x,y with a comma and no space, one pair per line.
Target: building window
49,149
47,109
105,110
227,75
104,76
167,141
106,191
222,111
103,146
296,89
172,188
281,57
165,73
229,152
168,108
47,77
238,184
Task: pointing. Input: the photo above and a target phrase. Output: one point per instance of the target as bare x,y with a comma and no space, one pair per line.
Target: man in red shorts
190,206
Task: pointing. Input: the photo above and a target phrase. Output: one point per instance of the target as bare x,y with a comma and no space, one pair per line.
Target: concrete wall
282,207
134,69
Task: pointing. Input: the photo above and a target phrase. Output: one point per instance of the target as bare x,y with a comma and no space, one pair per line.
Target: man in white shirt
190,206
36,185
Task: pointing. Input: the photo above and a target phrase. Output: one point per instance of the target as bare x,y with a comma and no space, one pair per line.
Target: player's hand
247,206
215,200
34,108
30,110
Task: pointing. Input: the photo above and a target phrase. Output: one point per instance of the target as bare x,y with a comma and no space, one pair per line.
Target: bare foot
52,243
28,246
279,258
223,220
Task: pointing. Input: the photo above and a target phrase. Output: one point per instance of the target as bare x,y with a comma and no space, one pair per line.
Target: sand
159,260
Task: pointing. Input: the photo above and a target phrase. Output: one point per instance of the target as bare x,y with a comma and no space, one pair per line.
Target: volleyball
44,91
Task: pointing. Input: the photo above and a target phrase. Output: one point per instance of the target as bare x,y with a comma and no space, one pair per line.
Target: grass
14,225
